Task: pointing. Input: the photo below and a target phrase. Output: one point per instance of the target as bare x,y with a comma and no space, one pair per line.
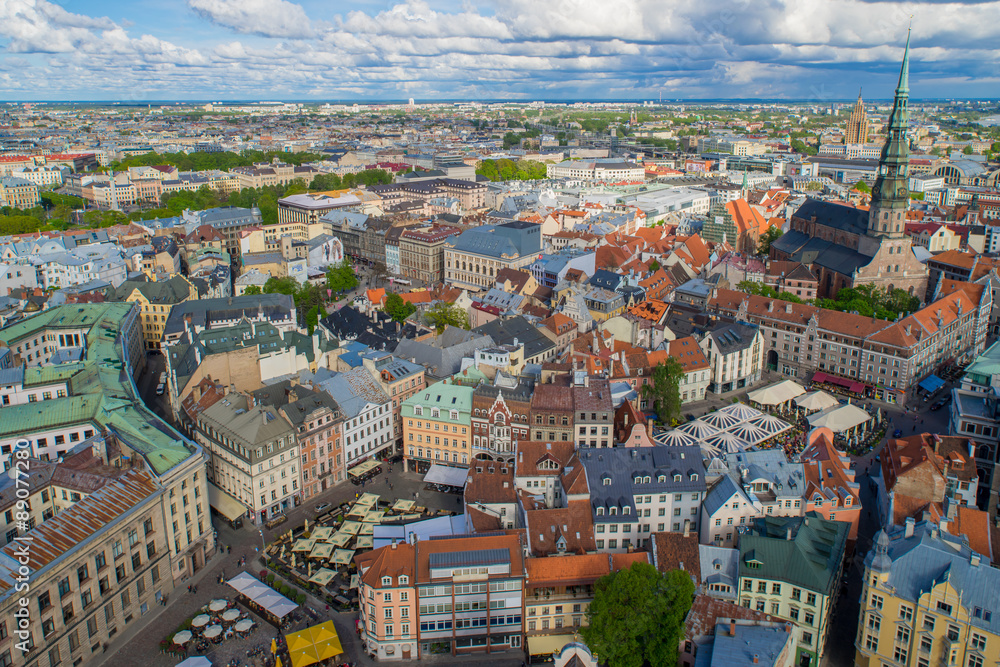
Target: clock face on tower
875,190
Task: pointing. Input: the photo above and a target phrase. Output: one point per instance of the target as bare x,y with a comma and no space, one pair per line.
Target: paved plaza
139,644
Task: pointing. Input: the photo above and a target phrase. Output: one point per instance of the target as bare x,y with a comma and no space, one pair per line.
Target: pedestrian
189,588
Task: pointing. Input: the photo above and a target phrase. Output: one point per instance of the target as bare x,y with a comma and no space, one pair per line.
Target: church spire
903,87
890,194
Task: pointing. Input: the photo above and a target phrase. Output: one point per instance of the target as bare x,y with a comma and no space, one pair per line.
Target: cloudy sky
138,50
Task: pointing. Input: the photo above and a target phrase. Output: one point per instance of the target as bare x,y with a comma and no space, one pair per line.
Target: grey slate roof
611,475
442,356
505,332
837,216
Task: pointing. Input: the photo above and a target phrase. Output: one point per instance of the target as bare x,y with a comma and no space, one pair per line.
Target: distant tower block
857,124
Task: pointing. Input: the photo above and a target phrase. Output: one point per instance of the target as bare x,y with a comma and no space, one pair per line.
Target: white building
367,410
99,261
615,171
14,275
41,176
736,355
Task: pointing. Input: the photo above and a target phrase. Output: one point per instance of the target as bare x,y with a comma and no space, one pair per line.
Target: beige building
156,300
18,193
421,252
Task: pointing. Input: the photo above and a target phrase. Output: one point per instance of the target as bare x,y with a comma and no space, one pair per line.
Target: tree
312,319
340,277
861,186
654,266
967,150
665,390
637,616
767,238
285,285
398,309
253,289
443,314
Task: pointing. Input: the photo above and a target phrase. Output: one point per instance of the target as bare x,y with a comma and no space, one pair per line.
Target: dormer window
646,480
613,511
387,581
661,478
677,478
453,415
418,411
403,580
600,511
606,481
638,480
626,510
694,477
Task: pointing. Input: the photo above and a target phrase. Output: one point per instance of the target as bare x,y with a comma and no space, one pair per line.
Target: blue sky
819,50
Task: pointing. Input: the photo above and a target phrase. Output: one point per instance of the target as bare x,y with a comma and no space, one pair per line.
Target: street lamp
263,545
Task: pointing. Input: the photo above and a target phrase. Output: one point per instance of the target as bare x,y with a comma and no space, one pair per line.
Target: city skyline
276,49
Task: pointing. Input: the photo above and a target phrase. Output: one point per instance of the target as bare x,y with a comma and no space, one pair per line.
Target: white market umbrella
244,625
213,631
230,615
218,605
200,621
182,637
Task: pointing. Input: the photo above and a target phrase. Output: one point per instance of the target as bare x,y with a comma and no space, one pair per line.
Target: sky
520,50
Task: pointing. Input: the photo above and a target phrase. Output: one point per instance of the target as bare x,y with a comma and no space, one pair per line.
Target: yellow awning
549,644
225,504
363,468
314,644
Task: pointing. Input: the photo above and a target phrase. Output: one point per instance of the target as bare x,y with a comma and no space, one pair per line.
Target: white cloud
269,18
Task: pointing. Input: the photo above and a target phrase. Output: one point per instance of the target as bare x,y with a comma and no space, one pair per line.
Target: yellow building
436,426
18,193
156,300
927,599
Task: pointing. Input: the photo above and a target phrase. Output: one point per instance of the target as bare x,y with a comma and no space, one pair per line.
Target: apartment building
751,485
638,491
610,171
500,417
18,192
558,591
400,379
83,264
975,414
317,421
437,424
593,411
131,498
156,300
473,258
211,314
912,615
735,354
368,417
888,357
40,176
387,595
421,252
253,454
790,567
697,369
228,220
552,416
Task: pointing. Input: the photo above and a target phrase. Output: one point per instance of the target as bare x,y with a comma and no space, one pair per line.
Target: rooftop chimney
908,527
687,527
755,660
788,533
732,627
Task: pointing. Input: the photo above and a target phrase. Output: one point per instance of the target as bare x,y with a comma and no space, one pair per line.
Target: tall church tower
890,194
857,124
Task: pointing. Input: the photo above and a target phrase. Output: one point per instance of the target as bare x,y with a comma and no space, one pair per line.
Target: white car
160,388
163,377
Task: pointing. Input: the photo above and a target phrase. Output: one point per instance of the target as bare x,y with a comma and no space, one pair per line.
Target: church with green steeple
848,246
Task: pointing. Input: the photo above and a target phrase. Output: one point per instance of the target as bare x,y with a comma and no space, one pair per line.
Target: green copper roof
811,559
101,391
903,87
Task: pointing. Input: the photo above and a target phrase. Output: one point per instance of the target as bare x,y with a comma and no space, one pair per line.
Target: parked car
163,377
940,404
160,388
322,507
897,433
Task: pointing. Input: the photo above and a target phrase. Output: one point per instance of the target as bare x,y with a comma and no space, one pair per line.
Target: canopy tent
341,538
721,420
357,510
840,418
272,601
351,527
368,499
771,424
322,534
355,580
846,383
931,383
365,542
304,545
777,393
742,412
323,576
402,505
367,529
727,442
315,644
363,468
815,401
342,556
373,516
439,474
196,661
225,504
698,429
321,551
674,438
747,431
